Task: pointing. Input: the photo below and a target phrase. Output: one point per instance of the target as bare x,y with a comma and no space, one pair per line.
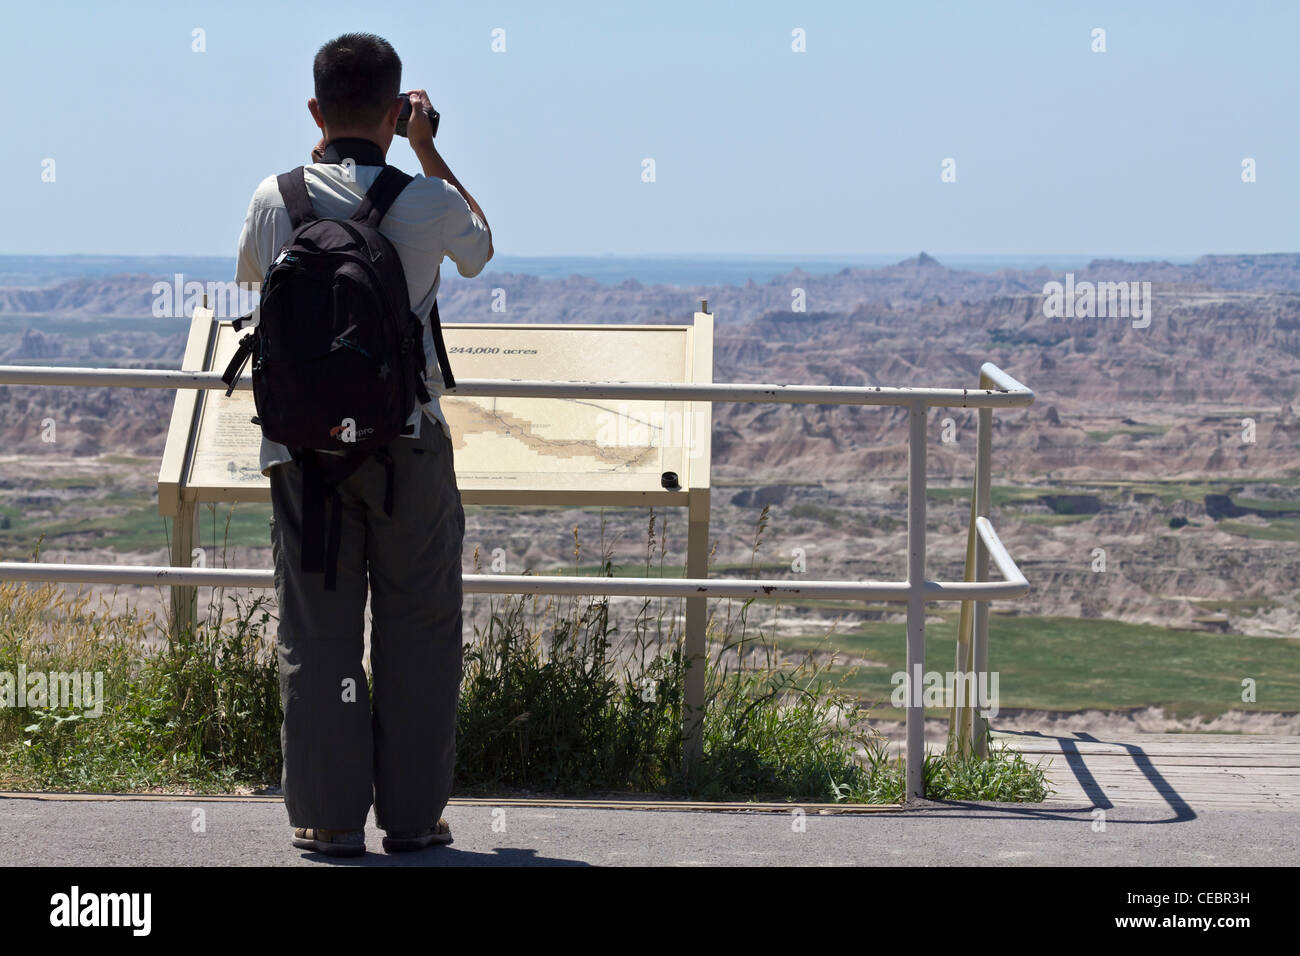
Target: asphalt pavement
52,831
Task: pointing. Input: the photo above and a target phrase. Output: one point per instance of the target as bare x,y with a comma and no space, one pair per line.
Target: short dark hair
357,78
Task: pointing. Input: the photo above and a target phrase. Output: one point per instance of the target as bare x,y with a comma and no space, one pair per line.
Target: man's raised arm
420,134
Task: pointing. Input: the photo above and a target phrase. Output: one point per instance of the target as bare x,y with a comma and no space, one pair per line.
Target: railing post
983,499
697,617
916,451
184,606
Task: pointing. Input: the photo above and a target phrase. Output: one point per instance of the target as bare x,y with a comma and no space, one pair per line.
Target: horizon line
702,255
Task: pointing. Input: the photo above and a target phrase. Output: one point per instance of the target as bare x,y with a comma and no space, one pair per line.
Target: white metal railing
997,389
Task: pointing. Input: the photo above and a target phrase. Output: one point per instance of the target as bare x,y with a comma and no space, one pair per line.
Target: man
344,751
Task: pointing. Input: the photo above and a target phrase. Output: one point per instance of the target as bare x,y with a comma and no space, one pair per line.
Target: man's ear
394,111
314,107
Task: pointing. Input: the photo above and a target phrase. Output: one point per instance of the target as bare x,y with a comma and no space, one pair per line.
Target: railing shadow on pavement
1092,789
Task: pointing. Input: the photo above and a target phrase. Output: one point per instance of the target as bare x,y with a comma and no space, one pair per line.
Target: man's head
358,82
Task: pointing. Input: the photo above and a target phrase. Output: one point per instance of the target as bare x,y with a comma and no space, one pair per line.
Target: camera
406,115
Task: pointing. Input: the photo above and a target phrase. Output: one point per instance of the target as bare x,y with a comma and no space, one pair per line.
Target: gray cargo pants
345,748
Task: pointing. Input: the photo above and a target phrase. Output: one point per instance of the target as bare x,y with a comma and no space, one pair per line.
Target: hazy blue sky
758,149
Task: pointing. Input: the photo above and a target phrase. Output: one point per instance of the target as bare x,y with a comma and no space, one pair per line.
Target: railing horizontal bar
990,374
528,583
998,552
515,388
974,590
136,574
685,587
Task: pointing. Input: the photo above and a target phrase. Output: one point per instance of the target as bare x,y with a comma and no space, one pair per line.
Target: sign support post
699,451
174,498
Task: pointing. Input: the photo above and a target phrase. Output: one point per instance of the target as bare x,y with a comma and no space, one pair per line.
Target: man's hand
419,131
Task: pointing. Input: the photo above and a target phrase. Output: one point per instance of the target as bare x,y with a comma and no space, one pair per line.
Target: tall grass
196,709
201,712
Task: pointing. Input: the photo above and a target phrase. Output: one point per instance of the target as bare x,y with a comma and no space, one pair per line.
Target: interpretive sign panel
507,450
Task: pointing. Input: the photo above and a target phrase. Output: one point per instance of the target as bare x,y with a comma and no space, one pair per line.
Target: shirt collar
363,152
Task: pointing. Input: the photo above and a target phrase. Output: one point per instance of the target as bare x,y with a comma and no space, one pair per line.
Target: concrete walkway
1187,773
1168,800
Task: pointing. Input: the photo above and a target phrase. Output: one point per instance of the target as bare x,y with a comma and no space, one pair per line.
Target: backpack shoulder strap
444,363
293,190
379,197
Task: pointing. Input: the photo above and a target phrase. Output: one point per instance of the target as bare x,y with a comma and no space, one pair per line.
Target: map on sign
548,444
507,450
511,438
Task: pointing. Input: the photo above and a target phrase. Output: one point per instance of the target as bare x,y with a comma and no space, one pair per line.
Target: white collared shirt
428,220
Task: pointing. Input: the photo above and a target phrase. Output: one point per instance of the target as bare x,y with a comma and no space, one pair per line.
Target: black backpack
338,355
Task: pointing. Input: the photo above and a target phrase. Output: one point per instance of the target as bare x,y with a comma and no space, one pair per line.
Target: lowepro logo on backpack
349,432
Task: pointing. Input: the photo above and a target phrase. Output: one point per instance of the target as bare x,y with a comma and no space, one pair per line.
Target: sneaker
331,842
400,842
